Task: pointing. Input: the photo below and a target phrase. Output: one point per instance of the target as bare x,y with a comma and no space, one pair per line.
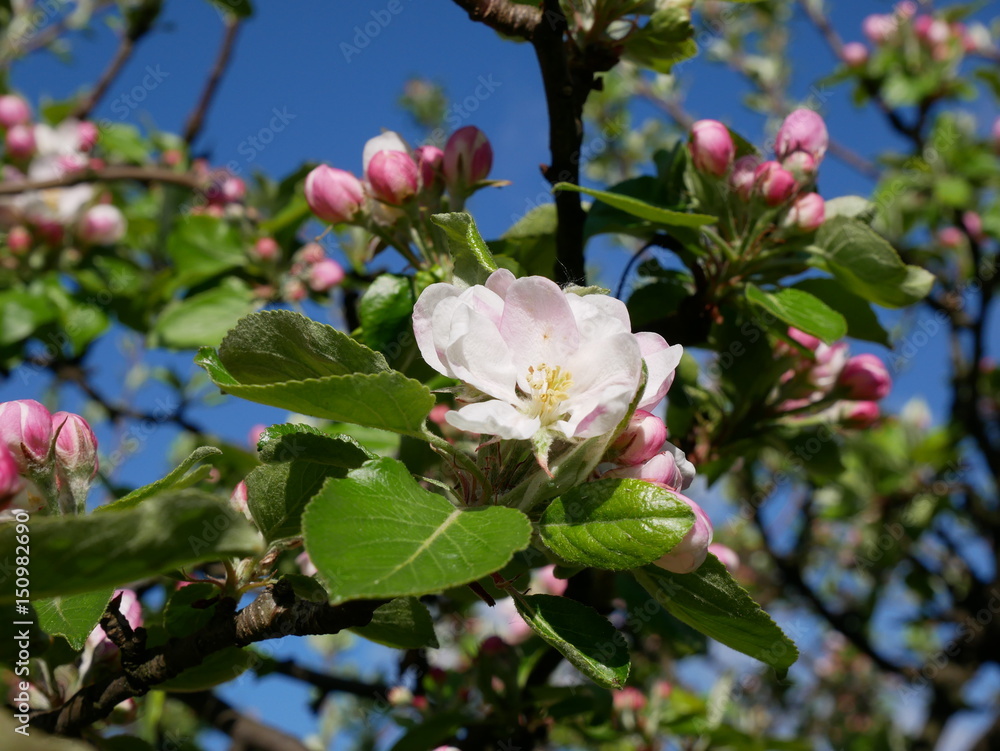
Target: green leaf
201,247
278,493
385,310
377,533
862,323
710,601
666,39
73,616
582,635
800,309
869,266
285,360
20,314
404,623
641,209
218,668
532,241
615,524
203,319
163,533
473,260
297,442
852,207
240,8
175,477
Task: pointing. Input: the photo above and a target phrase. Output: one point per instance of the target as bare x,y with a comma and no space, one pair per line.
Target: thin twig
120,172
125,49
197,117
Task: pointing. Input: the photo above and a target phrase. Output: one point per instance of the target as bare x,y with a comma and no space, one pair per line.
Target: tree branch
512,19
247,733
125,49
197,118
275,613
118,172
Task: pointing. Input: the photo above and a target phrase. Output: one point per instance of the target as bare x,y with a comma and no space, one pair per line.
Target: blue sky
334,71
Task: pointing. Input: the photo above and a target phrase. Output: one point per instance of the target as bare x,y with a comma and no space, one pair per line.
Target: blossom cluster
823,379
39,452
940,39
310,270
38,152
784,183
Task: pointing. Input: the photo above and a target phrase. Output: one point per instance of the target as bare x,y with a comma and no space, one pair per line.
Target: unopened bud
76,446
13,111
641,440
393,176
26,430
103,224
712,147
20,141
687,555
325,275
726,555
267,249
802,130
742,178
865,378
334,195
773,183
807,212
19,240
858,414
468,158
855,54
10,478
88,135
430,160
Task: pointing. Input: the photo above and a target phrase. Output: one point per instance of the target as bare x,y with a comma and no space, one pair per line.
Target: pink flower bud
951,237
830,361
545,581
865,378
305,564
641,440
801,166
878,28
438,412
802,130
103,224
10,478
393,176
267,249
773,183
26,429
932,31
20,141
855,54
974,224
858,414
807,212
88,135
712,147
238,499
741,180
727,556
629,699
295,291
468,158
325,275
806,340
996,135
19,240
310,253
99,648
76,446
670,469
430,160
905,9
13,111
334,195
691,551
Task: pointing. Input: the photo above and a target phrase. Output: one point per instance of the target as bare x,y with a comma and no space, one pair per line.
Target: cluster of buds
311,269
37,152
955,237
941,39
399,183
642,452
45,459
223,191
826,380
784,183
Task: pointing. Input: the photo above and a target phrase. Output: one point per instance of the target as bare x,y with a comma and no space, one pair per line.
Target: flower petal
390,140
494,418
500,281
661,362
479,356
538,324
432,347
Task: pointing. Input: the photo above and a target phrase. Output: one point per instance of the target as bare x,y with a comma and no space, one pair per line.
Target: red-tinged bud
773,183
430,160
325,275
88,134
20,141
393,176
858,414
334,195
801,166
950,237
663,689
855,54
669,469
545,581
420,703
310,253
295,291
99,648
254,434
19,240
103,224
830,361
974,224
742,178
13,111
879,28
172,157
629,699
76,446
238,500
934,32
26,430
865,378
468,158
692,550
438,412
493,645
802,130
10,478
712,147
726,555
267,249
807,212
641,440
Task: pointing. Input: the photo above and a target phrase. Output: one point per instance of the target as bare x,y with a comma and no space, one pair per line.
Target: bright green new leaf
862,323
473,260
73,616
404,623
615,524
377,533
173,479
800,309
641,209
296,442
203,319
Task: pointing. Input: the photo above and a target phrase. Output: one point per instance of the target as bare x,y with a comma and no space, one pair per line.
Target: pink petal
661,362
494,418
538,324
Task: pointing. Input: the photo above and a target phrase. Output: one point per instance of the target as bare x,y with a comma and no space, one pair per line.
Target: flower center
549,388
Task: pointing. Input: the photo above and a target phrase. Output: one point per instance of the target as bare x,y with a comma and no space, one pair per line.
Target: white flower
539,361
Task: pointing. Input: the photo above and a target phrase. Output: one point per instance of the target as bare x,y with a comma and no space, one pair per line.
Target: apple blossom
13,111
88,135
857,414
99,648
310,253
629,699
76,446
267,249
742,178
687,555
773,183
325,275
830,361
669,469
334,195
712,147
802,130
238,499
806,340
950,237
103,224
726,555
26,430
541,362
20,141
641,440
10,479
19,240
879,28
807,212
393,176
854,54
468,158
865,377
430,160
387,141
801,166
973,224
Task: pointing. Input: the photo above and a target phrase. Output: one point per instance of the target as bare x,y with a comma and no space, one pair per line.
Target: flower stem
467,463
